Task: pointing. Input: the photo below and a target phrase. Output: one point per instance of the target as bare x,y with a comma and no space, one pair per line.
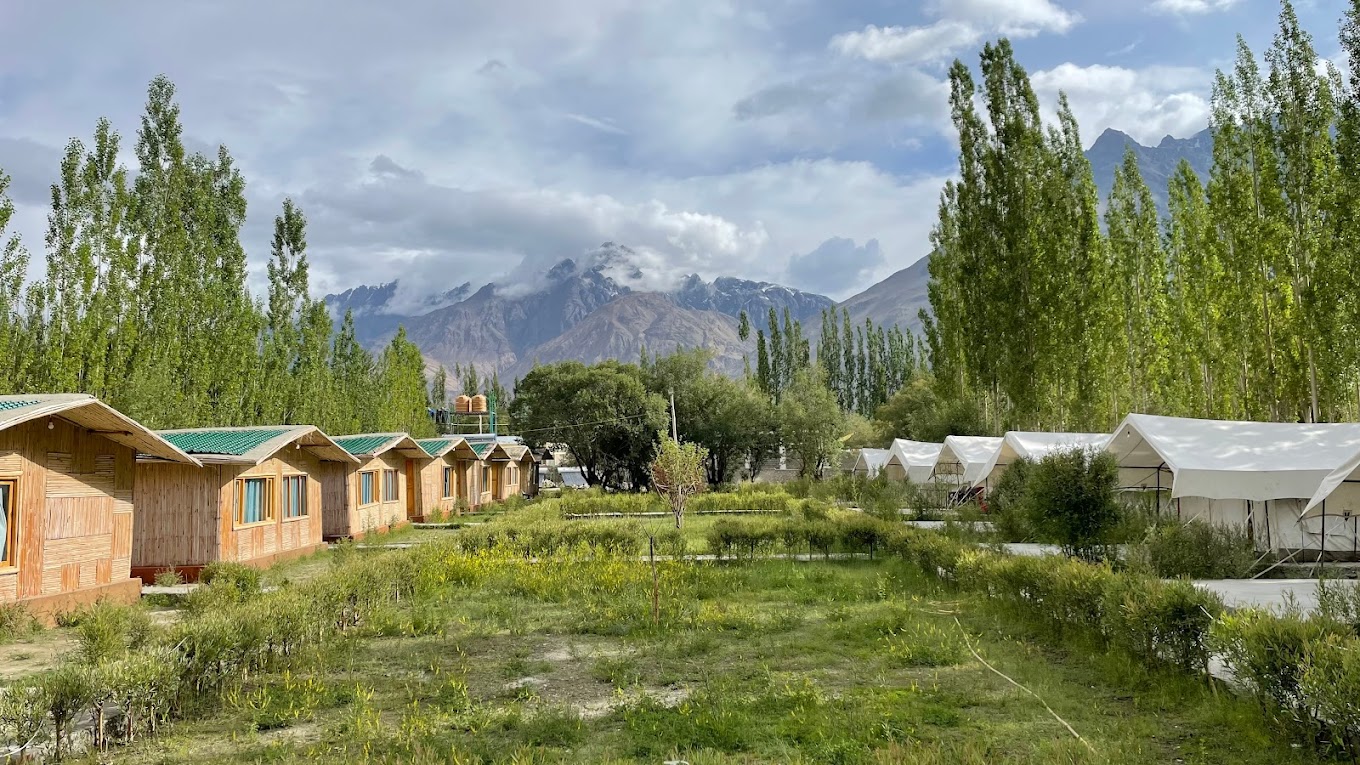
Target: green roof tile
6,406
233,442
432,446
358,445
482,448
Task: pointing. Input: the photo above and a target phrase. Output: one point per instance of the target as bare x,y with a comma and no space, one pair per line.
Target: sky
802,142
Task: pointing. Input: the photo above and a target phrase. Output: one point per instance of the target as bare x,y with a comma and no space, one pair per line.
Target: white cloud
961,24
388,223
1192,7
602,125
1018,18
1145,103
909,44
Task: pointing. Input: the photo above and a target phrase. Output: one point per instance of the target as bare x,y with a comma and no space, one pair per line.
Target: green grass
775,661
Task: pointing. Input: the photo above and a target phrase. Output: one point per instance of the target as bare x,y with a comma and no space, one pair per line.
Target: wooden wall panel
11,462
122,534
79,549
71,517
175,517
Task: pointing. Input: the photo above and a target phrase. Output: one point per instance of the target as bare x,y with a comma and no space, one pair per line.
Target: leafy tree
678,473
810,423
918,412
403,388
1069,497
13,269
354,373
603,414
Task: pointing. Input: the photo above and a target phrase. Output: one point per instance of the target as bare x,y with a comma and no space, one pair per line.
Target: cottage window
486,479
367,492
9,525
448,482
391,486
254,500
294,496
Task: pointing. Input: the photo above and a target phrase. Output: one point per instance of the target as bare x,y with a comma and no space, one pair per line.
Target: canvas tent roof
970,453
374,444
871,460
1018,444
916,458
1222,459
253,445
95,416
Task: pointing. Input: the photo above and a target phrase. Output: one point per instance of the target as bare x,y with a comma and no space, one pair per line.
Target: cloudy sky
798,141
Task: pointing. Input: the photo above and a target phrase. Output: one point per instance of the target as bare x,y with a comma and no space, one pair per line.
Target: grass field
775,661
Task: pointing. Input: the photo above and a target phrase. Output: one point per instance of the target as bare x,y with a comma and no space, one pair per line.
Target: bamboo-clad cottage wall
448,476
258,499
382,491
66,500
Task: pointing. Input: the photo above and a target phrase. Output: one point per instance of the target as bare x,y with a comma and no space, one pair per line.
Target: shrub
739,502
238,576
1161,622
1070,498
1196,550
168,578
1330,687
1266,653
107,630
595,503
1006,502
16,621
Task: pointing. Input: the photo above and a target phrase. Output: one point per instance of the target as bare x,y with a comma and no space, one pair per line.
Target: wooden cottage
449,475
381,491
256,499
508,470
67,510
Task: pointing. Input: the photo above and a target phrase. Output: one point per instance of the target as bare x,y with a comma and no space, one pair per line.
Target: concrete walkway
1272,594
940,525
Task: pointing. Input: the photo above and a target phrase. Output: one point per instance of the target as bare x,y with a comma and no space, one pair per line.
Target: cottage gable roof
442,445
95,416
371,445
253,445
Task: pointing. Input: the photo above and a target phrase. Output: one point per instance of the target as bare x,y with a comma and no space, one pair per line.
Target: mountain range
586,309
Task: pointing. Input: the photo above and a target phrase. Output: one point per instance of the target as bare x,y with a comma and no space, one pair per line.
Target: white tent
1019,444
870,461
1339,493
963,459
1258,475
912,460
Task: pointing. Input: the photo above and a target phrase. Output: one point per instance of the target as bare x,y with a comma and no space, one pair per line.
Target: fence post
656,595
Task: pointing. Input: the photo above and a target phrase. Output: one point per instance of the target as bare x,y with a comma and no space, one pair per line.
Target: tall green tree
13,269
404,392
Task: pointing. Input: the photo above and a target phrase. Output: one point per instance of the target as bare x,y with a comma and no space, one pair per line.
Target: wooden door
411,490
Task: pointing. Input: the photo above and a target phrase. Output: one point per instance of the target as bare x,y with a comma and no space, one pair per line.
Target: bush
598,503
168,578
238,576
106,630
1330,687
740,502
1070,498
16,621
1006,502
1195,550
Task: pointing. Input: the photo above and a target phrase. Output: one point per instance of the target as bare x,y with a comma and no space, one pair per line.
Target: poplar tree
13,269
285,307
1139,264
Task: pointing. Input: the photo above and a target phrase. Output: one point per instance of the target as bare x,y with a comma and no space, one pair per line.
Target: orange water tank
462,404
479,403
